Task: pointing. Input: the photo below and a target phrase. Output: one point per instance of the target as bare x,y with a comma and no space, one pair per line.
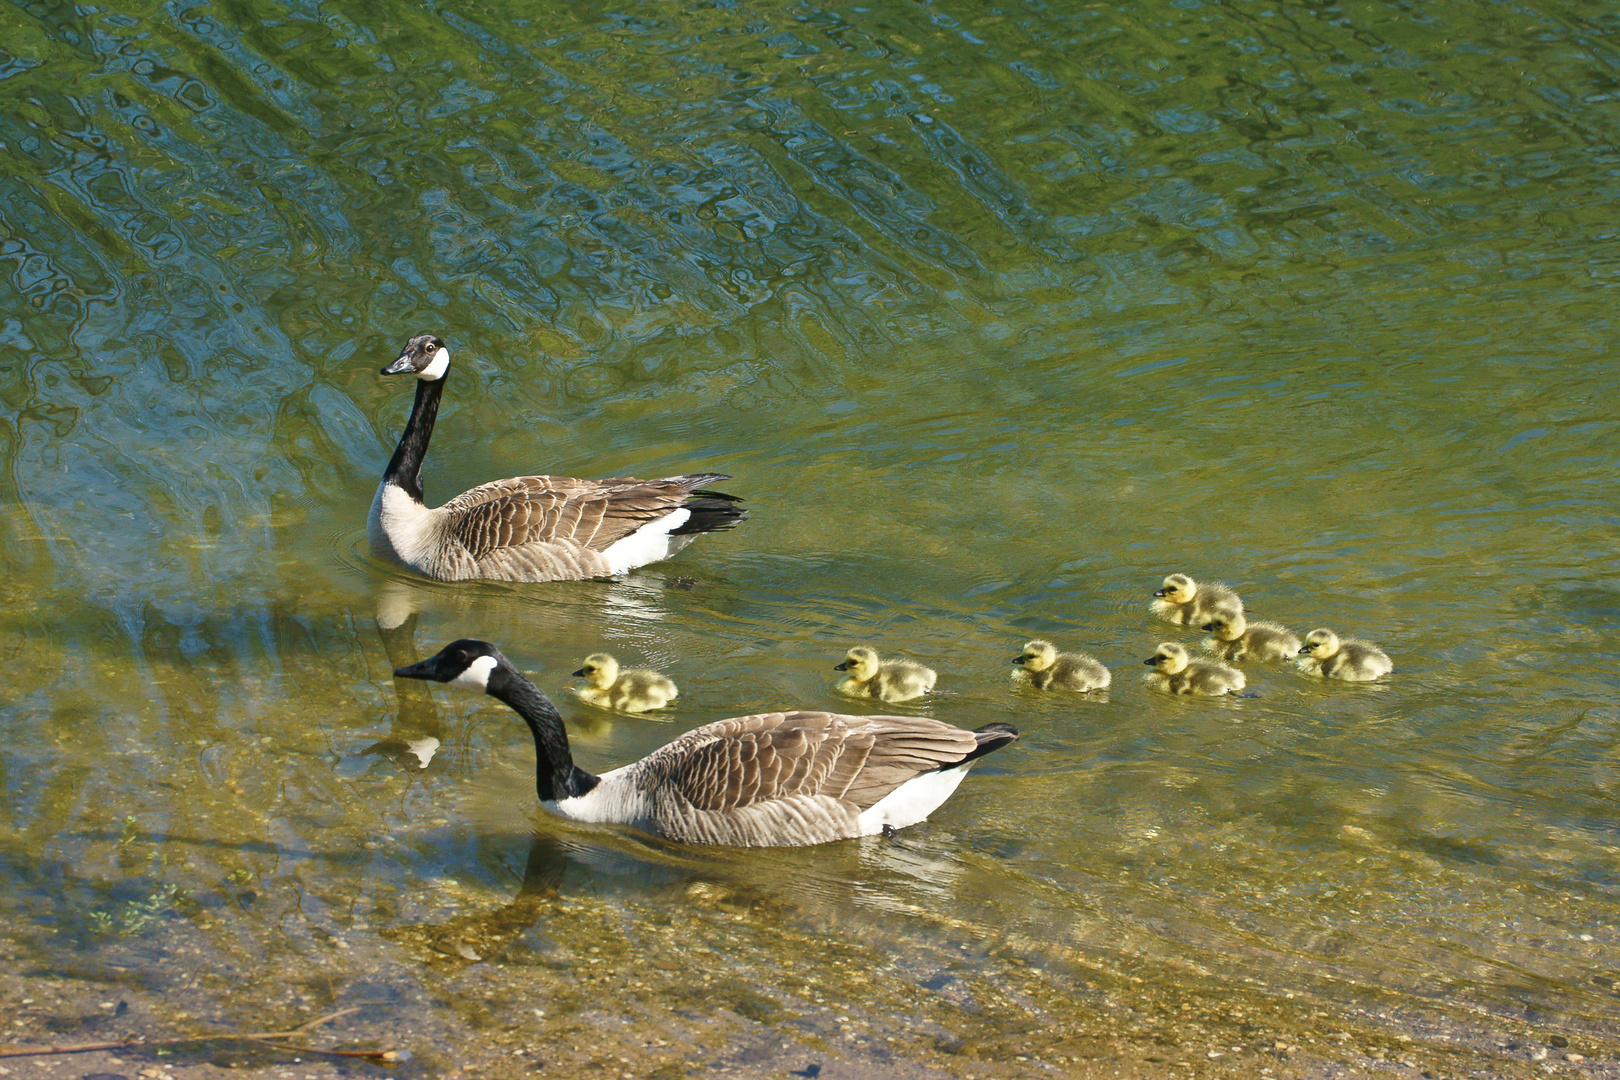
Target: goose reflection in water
415,735
566,874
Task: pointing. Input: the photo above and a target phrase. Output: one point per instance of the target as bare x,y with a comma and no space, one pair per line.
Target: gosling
1043,667
885,680
1332,657
1186,602
1176,672
634,691
1237,639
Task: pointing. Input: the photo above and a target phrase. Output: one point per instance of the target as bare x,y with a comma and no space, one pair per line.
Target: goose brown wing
801,777
590,514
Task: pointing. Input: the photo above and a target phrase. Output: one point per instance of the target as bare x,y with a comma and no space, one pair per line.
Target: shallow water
996,315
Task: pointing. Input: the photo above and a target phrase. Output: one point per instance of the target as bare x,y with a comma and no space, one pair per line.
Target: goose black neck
405,469
556,776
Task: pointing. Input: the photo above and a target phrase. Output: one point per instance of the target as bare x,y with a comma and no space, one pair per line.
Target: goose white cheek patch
476,677
435,371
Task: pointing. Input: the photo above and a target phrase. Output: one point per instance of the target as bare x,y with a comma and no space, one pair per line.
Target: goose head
1320,644
1037,656
424,356
1178,589
1169,658
467,662
479,665
1227,624
599,669
860,662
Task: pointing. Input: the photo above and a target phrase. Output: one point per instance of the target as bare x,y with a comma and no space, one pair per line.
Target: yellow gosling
1236,639
1329,656
1176,672
1040,665
884,680
1187,603
637,690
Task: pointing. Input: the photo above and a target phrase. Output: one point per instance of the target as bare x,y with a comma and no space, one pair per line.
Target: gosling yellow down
637,690
1236,639
1040,665
1187,603
884,680
1328,655
1176,672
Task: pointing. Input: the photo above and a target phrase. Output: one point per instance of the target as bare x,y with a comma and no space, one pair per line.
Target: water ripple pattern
997,314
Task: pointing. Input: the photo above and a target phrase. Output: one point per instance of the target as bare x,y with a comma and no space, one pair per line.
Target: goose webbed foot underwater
769,780
528,528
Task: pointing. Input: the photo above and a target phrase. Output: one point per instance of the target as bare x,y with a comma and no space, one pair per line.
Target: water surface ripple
997,314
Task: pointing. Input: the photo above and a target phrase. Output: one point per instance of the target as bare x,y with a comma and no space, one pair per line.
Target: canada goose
885,680
1185,601
1043,667
528,528
769,780
1351,659
1237,639
1176,672
637,690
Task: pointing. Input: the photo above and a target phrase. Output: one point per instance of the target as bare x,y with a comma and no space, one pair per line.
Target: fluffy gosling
1043,667
1176,672
885,680
636,690
1237,639
1187,603
1328,655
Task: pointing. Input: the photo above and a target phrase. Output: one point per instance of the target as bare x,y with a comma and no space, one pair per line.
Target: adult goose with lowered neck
528,528
770,780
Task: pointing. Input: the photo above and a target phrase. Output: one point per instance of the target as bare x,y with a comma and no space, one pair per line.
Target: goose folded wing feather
770,756
587,514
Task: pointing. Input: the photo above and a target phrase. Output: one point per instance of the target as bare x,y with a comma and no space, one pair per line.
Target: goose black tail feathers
992,737
711,510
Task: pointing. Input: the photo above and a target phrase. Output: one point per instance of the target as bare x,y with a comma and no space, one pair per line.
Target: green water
996,314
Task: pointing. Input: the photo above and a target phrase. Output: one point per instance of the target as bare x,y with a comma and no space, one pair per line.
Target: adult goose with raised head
528,528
